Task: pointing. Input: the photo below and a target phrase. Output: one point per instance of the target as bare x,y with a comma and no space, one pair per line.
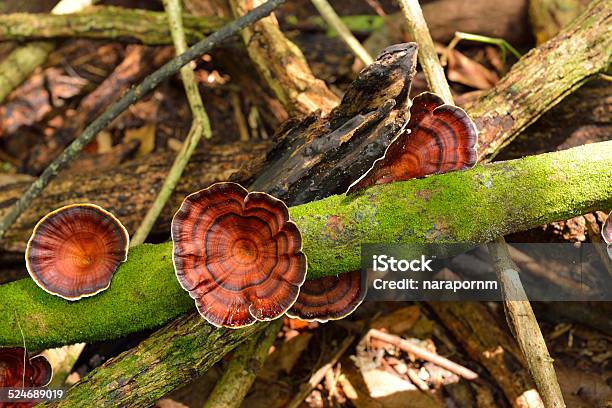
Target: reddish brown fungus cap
237,254
74,250
438,138
606,230
329,298
17,370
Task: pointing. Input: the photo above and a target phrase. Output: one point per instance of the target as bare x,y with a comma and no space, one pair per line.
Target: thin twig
248,359
424,354
318,375
200,125
427,51
524,325
131,96
331,18
503,45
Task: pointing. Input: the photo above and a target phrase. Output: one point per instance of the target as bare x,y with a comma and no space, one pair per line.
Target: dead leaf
466,71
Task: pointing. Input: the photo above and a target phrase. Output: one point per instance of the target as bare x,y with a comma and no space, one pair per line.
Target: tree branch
282,65
145,294
105,23
241,372
524,325
532,87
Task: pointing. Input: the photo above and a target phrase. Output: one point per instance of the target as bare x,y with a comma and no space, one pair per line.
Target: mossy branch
105,22
476,206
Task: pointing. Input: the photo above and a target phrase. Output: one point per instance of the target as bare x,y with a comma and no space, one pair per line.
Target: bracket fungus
606,234
329,297
18,371
606,230
237,254
438,138
74,251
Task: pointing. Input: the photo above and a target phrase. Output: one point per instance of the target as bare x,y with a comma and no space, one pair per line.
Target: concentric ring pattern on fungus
17,370
438,138
237,254
329,297
74,251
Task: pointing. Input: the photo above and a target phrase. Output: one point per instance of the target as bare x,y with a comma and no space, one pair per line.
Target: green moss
146,279
470,206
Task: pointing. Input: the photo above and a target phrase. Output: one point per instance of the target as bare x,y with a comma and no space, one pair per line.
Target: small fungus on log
74,251
18,371
606,230
329,297
237,254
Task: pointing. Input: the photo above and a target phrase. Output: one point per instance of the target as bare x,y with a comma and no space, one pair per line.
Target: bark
145,294
182,351
321,156
242,370
128,190
114,23
282,65
543,77
583,117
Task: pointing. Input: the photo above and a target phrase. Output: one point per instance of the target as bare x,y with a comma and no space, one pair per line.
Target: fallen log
145,293
180,352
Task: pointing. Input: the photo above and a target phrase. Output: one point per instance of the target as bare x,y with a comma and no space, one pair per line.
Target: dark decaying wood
321,156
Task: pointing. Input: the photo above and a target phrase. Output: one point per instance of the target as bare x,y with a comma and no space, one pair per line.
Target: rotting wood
173,357
242,370
318,156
